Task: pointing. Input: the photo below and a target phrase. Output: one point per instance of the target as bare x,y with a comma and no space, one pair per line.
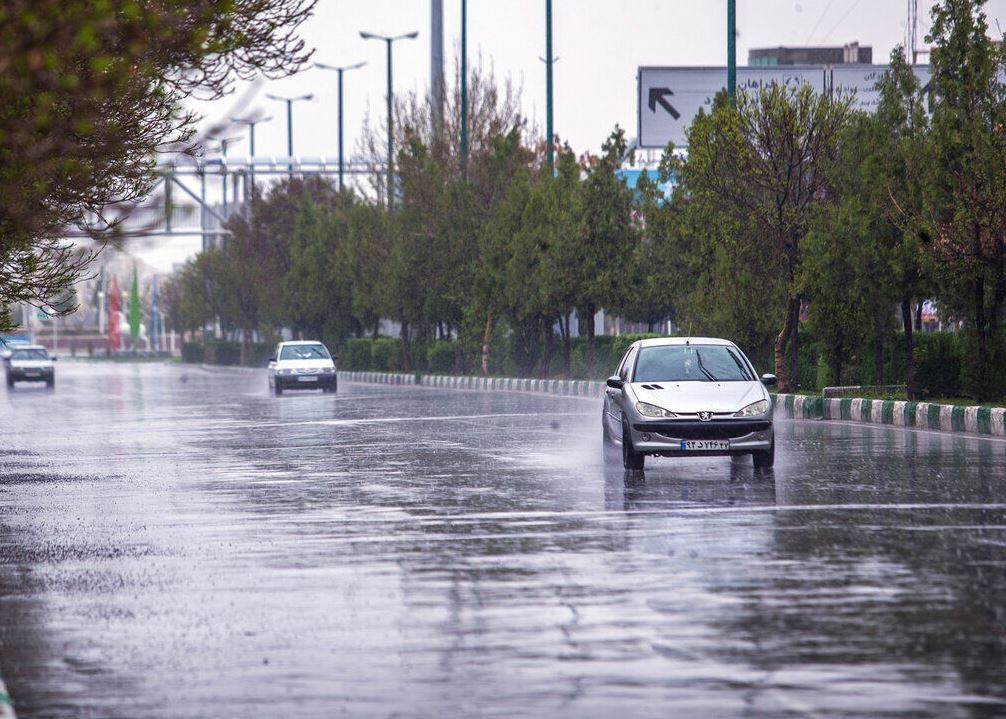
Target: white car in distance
302,365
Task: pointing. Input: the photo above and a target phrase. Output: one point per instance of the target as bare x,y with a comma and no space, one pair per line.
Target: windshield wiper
745,372
707,373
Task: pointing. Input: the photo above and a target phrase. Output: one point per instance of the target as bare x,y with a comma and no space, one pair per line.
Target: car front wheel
764,458
631,459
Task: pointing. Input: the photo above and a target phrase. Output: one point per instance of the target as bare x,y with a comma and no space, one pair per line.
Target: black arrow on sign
657,95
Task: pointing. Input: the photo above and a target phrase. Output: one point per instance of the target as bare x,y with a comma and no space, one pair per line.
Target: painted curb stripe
925,415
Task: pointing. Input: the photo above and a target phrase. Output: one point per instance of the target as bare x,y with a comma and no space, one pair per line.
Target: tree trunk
836,367
918,315
906,318
566,343
794,352
878,350
981,334
590,339
404,335
782,342
548,337
486,337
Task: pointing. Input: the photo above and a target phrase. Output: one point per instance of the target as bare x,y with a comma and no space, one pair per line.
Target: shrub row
221,352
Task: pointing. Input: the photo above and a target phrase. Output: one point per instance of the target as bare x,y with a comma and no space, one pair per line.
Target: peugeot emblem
705,416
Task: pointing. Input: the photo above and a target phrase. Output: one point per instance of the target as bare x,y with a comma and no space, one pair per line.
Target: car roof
301,342
26,347
663,341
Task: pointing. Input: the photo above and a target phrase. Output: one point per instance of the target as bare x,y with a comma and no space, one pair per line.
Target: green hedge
193,352
221,352
440,357
356,354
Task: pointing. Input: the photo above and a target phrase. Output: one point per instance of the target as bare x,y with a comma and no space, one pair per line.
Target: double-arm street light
251,122
289,121
340,70
391,124
224,141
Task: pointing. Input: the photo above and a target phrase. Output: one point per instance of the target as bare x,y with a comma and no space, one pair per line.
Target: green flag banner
134,309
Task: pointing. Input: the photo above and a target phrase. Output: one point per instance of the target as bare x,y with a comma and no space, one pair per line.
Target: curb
6,704
922,415
561,387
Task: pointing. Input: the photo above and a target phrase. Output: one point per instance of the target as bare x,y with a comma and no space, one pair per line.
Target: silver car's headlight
327,370
754,409
286,371
651,410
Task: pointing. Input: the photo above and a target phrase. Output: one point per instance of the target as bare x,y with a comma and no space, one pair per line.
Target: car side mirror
616,382
54,358
272,360
768,380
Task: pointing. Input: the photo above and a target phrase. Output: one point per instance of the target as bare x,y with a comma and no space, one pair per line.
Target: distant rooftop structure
851,54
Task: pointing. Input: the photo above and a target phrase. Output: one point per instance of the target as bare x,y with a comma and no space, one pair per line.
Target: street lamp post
289,123
223,175
550,147
251,122
732,50
391,123
464,85
340,70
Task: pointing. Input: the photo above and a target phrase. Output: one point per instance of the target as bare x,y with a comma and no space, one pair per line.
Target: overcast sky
600,45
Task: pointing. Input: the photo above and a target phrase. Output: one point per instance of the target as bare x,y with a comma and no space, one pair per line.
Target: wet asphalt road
178,543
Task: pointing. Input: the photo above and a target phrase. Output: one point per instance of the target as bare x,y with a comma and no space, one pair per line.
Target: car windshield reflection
691,363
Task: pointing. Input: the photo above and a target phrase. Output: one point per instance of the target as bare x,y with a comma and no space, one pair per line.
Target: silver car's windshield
304,352
32,354
691,363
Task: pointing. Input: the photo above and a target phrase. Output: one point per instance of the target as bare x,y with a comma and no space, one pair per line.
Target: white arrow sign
670,97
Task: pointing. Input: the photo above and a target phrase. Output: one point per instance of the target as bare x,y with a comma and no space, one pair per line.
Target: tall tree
767,163
91,92
967,181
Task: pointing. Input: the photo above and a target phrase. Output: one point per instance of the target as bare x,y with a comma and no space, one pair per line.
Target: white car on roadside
29,363
302,365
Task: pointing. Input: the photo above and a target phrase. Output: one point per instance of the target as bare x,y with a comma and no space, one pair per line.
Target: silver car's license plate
307,379
705,444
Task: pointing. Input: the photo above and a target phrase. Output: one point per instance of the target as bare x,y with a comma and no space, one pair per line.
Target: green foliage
386,354
90,92
193,352
356,354
440,356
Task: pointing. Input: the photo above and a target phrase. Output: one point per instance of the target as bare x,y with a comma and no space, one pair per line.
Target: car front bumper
322,381
666,437
29,375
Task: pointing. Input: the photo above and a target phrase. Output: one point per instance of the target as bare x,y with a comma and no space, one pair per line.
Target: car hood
692,397
305,364
31,364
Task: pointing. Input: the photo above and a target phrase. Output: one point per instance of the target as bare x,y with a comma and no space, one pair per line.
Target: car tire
50,383
764,458
609,450
631,459
10,383
277,390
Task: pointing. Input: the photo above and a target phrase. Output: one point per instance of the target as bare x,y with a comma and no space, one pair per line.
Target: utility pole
437,61
550,151
223,175
251,122
464,85
340,70
388,40
732,50
289,123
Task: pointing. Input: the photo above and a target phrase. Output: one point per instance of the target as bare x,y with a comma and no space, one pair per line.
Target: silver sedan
677,396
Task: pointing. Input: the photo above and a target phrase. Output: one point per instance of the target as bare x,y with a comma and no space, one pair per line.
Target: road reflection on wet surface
178,543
